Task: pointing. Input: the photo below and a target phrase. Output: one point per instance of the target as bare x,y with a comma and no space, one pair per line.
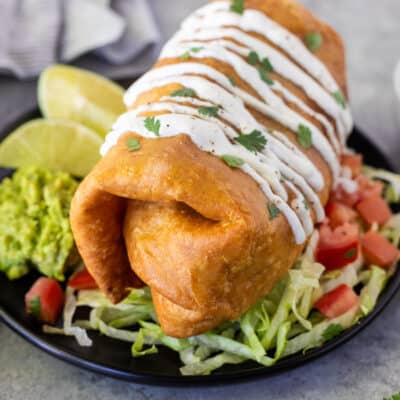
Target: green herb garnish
332,331
273,210
306,206
350,253
186,55
35,306
185,92
254,141
313,41
232,161
267,65
133,144
208,111
153,125
237,6
253,58
304,136
264,76
339,97
232,80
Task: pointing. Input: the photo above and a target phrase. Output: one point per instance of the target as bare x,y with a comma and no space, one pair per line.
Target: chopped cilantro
153,125
306,206
133,144
304,136
209,111
35,306
254,141
185,92
232,161
232,80
264,76
313,41
237,6
339,97
267,65
186,55
350,253
273,211
253,58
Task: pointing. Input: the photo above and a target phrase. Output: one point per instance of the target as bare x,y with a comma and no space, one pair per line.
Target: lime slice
74,94
60,145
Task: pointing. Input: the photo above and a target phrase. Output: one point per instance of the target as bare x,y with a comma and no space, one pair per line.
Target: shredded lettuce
372,290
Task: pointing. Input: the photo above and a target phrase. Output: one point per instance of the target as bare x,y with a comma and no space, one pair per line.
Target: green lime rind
53,144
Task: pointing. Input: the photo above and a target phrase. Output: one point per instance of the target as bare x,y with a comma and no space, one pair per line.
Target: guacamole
34,222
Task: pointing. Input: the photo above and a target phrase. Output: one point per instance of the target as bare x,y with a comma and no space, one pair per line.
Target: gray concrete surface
368,367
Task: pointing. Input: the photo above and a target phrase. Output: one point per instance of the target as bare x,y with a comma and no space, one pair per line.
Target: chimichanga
212,182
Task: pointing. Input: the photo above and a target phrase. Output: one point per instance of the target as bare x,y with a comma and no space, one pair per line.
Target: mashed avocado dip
34,222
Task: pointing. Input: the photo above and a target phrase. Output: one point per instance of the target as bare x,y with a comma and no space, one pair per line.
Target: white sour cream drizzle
280,167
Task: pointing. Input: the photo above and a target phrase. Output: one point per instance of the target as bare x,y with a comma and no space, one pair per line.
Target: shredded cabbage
281,324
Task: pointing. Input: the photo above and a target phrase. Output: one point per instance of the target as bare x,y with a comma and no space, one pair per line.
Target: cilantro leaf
232,161
339,97
152,125
313,41
237,6
350,253
253,58
232,80
185,92
332,331
133,144
35,306
209,111
186,55
267,65
306,206
304,136
264,76
254,141
273,210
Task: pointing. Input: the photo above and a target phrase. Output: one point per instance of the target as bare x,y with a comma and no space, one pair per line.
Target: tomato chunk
353,162
368,188
337,302
82,280
45,300
374,209
339,247
339,214
378,250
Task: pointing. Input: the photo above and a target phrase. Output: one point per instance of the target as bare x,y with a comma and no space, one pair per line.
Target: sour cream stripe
250,75
233,109
282,65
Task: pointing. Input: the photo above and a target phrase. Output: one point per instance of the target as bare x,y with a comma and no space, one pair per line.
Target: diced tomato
374,209
340,195
378,250
353,162
82,280
45,300
337,302
368,188
338,214
339,247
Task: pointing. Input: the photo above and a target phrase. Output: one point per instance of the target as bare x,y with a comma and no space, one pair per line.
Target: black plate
113,358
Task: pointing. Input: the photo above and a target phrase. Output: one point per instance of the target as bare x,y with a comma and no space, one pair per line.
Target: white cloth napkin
37,33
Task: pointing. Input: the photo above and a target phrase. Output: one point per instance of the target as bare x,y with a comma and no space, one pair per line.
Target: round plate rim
227,378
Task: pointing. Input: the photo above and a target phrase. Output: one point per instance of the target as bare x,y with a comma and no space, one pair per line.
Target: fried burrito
212,182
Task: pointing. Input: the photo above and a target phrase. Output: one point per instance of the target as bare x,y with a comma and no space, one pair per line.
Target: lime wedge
59,145
70,93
